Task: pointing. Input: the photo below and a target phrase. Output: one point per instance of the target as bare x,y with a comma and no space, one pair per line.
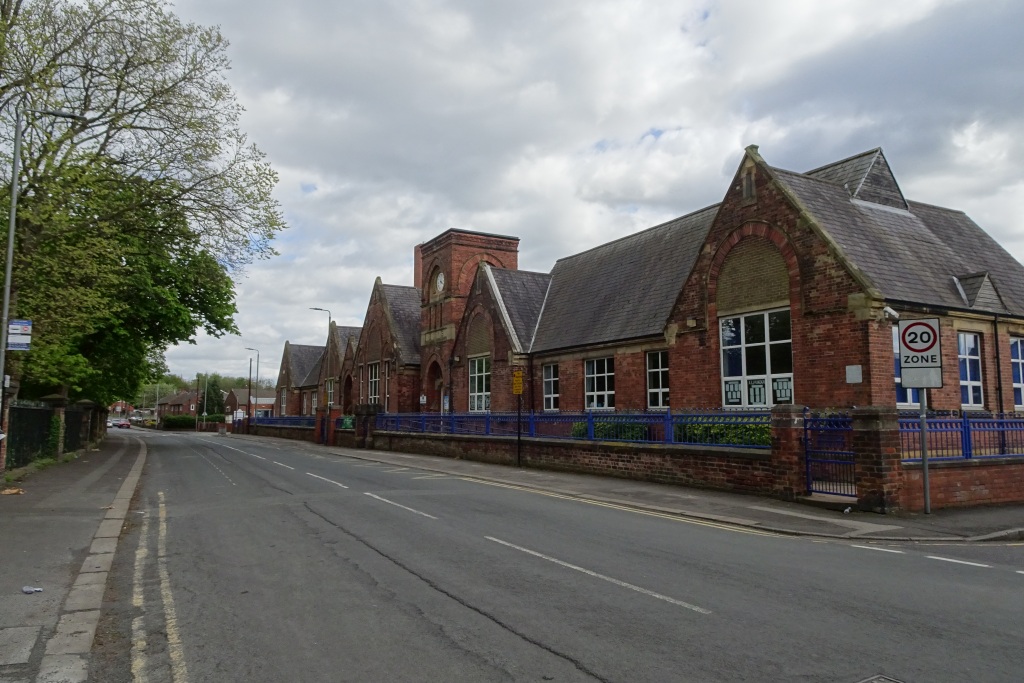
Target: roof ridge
641,232
842,161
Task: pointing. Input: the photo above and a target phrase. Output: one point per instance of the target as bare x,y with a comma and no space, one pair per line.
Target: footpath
61,533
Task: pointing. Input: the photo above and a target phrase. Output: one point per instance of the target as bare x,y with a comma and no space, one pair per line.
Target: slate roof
404,304
312,378
520,293
909,255
623,289
302,358
342,334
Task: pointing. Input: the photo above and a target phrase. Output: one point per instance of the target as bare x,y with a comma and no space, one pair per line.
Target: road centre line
1020,572
317,476
883,550
588,572
282,464
949,559
625,508
432,476
391,502
400,469
237,449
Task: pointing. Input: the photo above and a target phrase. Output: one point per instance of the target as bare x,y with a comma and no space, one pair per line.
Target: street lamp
257,408
329,395
15,170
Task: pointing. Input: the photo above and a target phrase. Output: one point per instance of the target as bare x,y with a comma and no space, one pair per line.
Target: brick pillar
788,466
878,458
58,403
365,421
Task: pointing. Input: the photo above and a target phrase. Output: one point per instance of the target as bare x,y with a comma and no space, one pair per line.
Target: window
757,360
330,392
657,380
969,356
599,383
284,402
550,374
904,397
387,384
480,383
305,403
314,396
373,382
1017,367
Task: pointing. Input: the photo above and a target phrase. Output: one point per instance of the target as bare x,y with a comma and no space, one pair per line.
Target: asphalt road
263,560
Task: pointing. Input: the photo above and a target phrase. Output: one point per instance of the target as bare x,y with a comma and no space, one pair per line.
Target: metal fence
287,421
828,453
713,428
29,434
965,436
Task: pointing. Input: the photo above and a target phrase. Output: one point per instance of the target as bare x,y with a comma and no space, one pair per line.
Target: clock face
439,282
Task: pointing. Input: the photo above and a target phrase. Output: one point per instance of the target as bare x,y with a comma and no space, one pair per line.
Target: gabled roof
624,289
520,296
909,255
866,176
312,378
343,334
302,358
978,291
404,306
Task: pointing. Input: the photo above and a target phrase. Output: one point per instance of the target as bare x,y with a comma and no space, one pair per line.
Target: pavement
61,533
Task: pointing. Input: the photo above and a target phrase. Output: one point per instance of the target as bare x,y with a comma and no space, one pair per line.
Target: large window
387,384
314,396
284,402
480,383
599,383
904,397
330,392
757,359
657,380
373,382
551,387
969,356
305,403
1017,366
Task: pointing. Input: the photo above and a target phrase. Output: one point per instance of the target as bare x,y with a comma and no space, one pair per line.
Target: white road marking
239,450
317,476
1020,572
432,476
179,671
139,642
949,559
282,464
623,584
391,502
884,550
216,468
400,469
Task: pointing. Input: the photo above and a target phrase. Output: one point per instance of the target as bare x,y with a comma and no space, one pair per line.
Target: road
266,560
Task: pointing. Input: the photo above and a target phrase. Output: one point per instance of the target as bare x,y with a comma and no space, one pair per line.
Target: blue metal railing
287,421
713,428
962,437
829,458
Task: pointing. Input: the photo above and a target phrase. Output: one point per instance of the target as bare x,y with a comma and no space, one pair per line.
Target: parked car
122,424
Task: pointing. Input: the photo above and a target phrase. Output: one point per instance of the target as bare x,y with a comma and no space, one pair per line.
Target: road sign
19,335
517,382
920,350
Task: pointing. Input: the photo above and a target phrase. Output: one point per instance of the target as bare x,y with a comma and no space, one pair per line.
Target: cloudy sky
569,123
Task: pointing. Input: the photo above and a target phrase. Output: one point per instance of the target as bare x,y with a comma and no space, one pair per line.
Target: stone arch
765,249
434,387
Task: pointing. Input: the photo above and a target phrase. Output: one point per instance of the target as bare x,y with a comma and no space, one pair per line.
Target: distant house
297,378
255,405
179,403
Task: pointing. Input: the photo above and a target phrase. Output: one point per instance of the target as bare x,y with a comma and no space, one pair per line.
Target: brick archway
759,231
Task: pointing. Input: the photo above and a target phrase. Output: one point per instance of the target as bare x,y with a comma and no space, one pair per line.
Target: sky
570,123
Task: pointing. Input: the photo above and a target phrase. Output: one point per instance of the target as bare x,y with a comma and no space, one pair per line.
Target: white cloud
570,123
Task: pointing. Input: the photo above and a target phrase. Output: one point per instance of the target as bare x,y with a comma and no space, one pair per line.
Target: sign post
517,389
921,368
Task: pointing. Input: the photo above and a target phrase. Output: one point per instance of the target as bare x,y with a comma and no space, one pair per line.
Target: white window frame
373,382
549,373
913,394
1017,370
284,403
480,384
329,391
740,386
387,385
305,403
964,364
657,380
599,383
314,399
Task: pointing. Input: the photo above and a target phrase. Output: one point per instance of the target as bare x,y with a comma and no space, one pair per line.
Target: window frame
744,379
549,382
1017,371
898,375
373,382
284,402
479,371
595,376
964,364
329,392
662,375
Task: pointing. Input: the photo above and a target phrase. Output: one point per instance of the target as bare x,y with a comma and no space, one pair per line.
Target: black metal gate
828,452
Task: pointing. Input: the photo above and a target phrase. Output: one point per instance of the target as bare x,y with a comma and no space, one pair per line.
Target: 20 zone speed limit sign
920,353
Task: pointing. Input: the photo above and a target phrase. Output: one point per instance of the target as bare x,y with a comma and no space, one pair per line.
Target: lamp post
328,396
257,401
15,170
248,395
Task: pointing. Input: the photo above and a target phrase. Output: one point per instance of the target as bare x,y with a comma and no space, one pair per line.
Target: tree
212,399
130,222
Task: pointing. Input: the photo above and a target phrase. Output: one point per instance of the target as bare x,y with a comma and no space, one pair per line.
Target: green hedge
178,421
724,434
605,431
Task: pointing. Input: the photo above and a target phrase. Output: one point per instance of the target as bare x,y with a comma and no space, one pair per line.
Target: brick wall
964,483
732,469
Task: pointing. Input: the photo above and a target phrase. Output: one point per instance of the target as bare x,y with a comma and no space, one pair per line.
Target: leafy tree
130,222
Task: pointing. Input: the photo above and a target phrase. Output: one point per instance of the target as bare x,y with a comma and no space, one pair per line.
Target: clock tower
445,269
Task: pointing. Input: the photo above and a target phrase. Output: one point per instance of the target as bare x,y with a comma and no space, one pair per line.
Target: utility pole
256,410
248,396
